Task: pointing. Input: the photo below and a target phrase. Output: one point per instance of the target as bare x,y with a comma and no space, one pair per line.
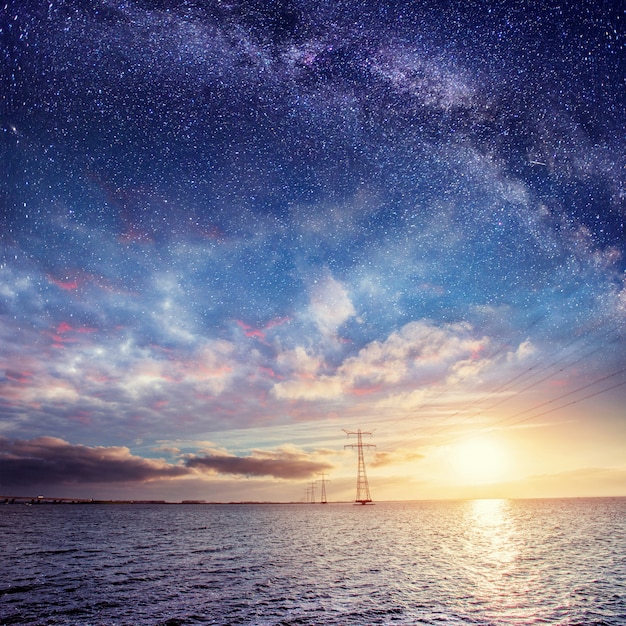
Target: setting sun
480,460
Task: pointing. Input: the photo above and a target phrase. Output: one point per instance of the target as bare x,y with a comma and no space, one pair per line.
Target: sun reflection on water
491,552
490,526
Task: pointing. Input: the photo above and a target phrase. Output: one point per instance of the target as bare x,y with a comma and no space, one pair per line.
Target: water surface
490,562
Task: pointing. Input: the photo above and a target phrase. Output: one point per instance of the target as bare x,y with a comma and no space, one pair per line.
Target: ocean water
513,562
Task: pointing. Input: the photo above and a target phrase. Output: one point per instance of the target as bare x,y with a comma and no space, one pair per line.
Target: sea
488,562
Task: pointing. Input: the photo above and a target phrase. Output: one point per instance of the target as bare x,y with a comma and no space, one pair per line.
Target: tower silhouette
362,487
323,499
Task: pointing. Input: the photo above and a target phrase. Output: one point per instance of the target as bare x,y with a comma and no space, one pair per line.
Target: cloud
418,349
420,353
299,361
313,389
115,377
53,461
401,455
14,283
284,463
49,461
310,389
330,305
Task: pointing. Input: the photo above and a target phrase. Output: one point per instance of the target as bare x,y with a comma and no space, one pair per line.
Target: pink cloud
76,279
66,284
21,377
249,331
65,327
65,333
260,333
277,322
270,372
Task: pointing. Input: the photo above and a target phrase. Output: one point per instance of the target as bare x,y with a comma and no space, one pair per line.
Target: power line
511,419
565,395
529,373
562,406
533,384
502,347
436,430
533,376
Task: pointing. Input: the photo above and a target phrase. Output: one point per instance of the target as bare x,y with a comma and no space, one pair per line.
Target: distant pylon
313,492
362,487
323,499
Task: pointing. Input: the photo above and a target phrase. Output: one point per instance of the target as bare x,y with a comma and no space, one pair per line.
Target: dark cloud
49,461
280,464
53,461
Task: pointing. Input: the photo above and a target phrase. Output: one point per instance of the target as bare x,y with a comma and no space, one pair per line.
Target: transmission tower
323,499
362,487
312,488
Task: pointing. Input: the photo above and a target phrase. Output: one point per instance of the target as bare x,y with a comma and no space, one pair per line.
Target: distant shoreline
45,500
39,500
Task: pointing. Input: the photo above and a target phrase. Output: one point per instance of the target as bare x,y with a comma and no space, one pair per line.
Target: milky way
242,217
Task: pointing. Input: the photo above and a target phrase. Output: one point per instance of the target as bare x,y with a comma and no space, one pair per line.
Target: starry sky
231,229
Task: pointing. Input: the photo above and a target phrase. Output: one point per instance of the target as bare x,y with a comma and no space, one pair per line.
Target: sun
479,461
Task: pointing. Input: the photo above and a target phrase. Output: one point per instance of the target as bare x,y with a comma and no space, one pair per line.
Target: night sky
229,230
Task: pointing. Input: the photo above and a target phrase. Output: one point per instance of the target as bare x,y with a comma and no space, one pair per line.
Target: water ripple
486,562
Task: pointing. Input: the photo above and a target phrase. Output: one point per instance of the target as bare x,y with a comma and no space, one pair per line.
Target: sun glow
479,461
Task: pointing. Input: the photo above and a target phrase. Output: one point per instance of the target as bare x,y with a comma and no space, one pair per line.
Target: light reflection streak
492,551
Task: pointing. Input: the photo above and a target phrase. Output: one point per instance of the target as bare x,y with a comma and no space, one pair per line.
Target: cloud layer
49,461
52,461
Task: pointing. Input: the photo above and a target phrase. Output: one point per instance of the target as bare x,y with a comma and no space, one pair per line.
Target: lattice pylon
362,487
323,499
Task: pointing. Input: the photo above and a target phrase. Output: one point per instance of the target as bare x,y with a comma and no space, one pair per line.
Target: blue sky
230,231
